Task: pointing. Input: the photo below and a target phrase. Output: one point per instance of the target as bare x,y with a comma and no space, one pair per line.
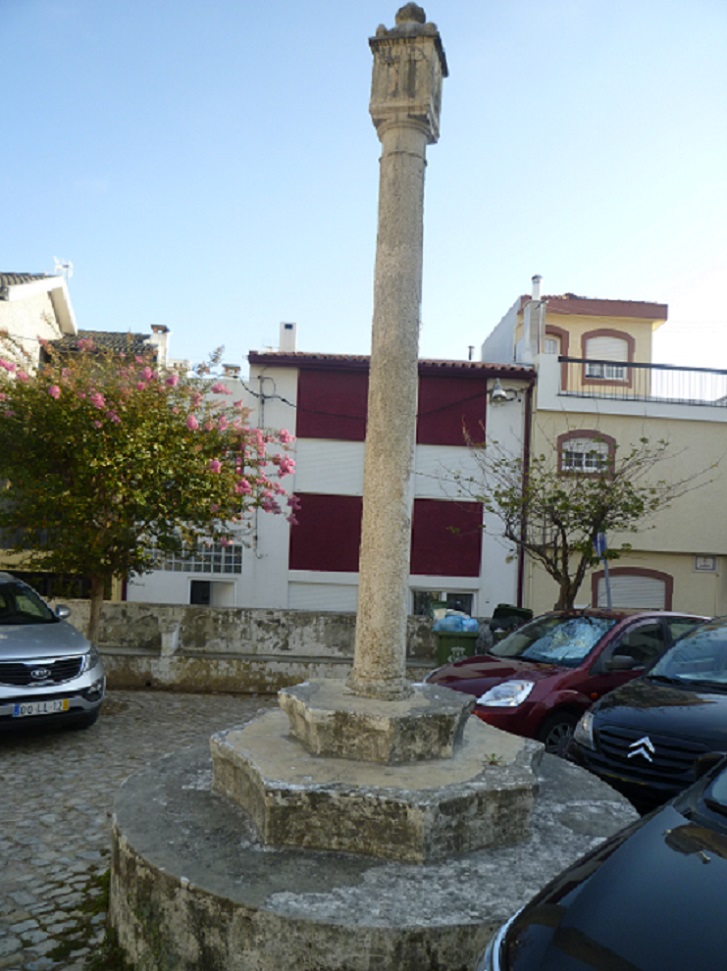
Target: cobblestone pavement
57,789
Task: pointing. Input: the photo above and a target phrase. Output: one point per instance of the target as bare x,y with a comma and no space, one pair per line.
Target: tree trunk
566,596
94,616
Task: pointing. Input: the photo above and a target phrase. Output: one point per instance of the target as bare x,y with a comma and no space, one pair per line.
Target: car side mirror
62,612
622,662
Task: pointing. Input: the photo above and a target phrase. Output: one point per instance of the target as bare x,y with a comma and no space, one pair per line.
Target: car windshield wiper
715,805
705,683
664,679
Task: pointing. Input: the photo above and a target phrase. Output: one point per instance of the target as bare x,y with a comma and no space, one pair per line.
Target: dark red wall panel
445,404
332,404
328,533
446,538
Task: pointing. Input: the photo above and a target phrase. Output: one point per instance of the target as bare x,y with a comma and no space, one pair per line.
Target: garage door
632,590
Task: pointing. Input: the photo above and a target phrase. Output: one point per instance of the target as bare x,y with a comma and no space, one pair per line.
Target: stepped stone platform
482,795
194,886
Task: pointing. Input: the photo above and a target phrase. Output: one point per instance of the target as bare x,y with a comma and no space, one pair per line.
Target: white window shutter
607,349
645,593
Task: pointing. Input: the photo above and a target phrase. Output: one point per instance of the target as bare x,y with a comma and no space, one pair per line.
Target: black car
647,737
651,898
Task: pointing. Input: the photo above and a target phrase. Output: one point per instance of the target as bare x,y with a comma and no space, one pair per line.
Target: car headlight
583,732
509,694
91,659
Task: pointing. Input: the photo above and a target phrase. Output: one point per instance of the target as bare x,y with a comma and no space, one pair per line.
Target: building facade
598,391
33,306
313,565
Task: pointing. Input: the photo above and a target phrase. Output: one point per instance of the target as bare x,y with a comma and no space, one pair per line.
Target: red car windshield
565,641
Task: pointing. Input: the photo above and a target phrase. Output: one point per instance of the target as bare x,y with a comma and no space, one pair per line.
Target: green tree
105,458
555,516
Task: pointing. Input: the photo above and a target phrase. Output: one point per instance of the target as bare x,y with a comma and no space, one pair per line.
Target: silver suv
49,672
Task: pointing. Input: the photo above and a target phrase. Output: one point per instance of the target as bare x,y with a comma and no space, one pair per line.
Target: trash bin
455,644
507,618
511,612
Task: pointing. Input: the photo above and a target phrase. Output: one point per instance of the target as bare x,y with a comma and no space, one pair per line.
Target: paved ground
56,796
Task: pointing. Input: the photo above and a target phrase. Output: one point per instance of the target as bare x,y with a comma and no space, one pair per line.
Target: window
332,404
679,626
552,345
584,455
600,348
447,405
446,538
328,534
644,643
214,558
609,372
585,451
556,340
426,601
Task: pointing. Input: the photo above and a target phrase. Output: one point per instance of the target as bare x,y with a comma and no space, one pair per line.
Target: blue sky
212,166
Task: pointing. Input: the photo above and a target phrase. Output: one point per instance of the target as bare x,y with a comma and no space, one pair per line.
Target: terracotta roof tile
16,279
301,359
121,341
572,304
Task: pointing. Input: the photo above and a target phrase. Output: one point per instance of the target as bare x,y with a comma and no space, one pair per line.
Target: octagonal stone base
330,720
423,811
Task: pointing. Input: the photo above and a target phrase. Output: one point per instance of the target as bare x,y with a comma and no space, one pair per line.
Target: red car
539,680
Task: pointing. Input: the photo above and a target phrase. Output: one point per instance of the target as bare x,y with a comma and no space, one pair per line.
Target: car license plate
49,707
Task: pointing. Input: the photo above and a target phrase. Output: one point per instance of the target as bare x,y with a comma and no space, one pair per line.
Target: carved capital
409,65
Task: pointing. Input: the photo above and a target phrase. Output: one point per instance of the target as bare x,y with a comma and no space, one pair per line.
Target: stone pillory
406,95
370,789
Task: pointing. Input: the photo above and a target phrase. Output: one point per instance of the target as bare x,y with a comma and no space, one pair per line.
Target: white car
49,672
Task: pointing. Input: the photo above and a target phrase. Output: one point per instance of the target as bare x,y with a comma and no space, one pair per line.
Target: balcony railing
589,378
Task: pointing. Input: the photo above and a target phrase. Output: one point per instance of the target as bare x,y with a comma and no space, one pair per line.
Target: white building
322,400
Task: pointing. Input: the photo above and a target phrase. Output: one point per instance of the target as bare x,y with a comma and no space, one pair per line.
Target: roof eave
360,362
57,289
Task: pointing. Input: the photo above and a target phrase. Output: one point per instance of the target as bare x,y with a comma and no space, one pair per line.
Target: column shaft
380,657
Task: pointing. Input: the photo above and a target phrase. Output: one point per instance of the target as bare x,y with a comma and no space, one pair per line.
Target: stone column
409,65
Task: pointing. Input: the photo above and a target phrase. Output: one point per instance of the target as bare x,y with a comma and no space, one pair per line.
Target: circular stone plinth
193,889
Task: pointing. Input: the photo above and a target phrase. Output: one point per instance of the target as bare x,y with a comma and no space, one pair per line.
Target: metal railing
624,381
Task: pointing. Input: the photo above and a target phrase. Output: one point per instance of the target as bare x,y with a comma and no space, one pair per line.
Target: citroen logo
40,674
643,747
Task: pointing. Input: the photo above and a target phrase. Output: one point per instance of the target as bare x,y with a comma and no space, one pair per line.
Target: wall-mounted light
500,395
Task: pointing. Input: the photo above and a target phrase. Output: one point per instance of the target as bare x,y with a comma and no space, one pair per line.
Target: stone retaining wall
230,649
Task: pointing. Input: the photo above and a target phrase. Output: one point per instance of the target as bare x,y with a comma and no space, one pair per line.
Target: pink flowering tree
104,459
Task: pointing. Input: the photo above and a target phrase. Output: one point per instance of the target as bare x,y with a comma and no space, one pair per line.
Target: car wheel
557,731
85,721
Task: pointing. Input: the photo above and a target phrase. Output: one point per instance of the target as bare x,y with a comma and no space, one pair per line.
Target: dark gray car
49,672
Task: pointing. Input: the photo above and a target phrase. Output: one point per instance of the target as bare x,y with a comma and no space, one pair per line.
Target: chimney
231,370
536,286
160,339
287,337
